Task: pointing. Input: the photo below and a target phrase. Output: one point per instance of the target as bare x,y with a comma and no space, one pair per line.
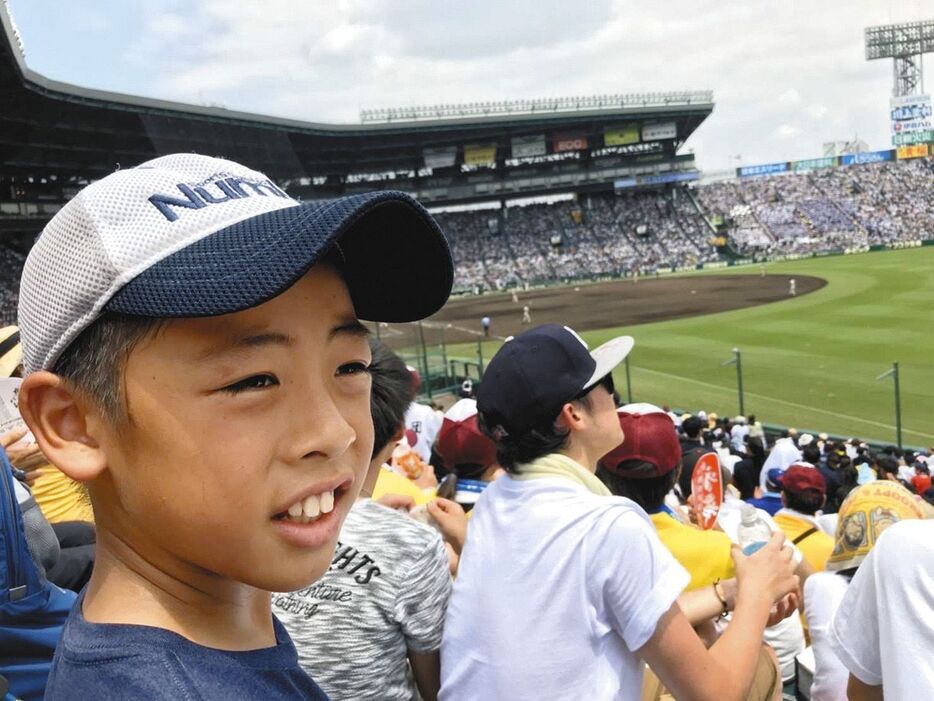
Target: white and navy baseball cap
537,372
192,236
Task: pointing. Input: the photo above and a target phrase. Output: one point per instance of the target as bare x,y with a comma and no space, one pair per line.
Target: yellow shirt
390,482
704,554
61,498
816,548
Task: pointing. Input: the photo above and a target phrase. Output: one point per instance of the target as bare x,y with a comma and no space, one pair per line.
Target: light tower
906,43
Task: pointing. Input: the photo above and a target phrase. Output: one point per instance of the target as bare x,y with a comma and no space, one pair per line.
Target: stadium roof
55,136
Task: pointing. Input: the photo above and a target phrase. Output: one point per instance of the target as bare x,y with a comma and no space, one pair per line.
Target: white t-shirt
425,423
823,592
784,454
556,591
883,630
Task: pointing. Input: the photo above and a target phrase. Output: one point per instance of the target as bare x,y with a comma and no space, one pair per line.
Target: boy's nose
320,429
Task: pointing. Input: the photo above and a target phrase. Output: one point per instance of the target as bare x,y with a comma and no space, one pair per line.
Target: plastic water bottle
753,532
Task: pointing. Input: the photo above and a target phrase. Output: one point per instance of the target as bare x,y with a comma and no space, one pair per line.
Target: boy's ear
58,420
570,416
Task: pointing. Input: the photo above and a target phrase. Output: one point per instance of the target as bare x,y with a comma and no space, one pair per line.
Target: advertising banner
677,177
526,146
764,169
657,132
569,141
913,151
479,154
912,137
910,113
624,183
439,156
621,135
849,159
814,163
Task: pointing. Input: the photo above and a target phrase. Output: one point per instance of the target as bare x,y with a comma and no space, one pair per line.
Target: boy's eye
353,369
250,383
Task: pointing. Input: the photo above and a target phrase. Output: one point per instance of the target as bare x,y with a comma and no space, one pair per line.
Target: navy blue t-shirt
109,661
768,502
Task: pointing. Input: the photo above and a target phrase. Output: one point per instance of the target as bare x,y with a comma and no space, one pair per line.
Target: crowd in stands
833,208
637,233
598,235
266,513
830,209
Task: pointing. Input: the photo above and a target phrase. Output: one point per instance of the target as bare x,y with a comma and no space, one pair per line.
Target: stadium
650,437
617,200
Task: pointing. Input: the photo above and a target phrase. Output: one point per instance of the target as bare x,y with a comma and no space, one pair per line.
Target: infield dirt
618,303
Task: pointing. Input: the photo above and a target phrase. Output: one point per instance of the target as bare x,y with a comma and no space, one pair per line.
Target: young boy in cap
804,492
563,590
194,356
467,452
645,467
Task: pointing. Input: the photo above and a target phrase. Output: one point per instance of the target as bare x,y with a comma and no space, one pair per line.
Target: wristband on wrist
718,590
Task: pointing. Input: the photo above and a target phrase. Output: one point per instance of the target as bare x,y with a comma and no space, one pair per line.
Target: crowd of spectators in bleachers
847,207
597,235
639,232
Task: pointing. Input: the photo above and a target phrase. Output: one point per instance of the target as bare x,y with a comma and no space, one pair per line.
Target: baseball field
809,361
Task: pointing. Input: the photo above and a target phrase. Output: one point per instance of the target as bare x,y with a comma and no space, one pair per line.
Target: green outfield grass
810,361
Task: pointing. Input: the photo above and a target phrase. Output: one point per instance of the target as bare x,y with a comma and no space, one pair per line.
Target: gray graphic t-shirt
384,595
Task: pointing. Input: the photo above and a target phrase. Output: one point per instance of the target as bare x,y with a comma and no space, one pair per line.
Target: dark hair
391,394
848,476
513,450
647,492
806,502
93,363
886,464
692,427
811,453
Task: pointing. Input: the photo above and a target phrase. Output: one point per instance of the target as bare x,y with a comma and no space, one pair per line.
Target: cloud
790,98
787,131
786,77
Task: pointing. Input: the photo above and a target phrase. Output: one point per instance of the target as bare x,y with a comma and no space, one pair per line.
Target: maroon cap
800,478
650,436
416,378
460,440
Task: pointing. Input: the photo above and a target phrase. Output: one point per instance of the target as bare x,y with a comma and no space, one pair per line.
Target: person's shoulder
822,584
668,527
903,542
391,526
140,661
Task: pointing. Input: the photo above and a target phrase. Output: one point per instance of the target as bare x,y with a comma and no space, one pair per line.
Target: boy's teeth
311,507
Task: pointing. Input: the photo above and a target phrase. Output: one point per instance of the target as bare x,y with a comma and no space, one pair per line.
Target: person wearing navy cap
564,591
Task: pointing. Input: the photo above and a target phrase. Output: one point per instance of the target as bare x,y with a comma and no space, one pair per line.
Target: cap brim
608,356
397,264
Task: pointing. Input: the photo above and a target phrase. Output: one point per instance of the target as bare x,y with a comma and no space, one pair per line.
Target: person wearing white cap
194,355
564,591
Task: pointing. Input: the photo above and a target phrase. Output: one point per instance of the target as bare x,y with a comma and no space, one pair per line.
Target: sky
787,75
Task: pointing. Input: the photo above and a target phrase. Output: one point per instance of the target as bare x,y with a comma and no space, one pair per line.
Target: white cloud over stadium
786,76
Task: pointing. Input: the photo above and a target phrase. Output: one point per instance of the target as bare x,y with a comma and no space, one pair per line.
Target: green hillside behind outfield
810,361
